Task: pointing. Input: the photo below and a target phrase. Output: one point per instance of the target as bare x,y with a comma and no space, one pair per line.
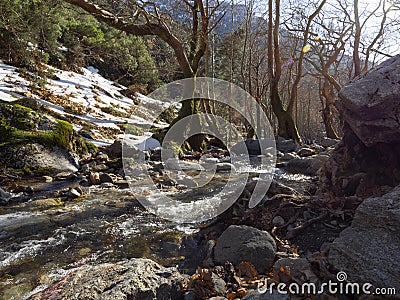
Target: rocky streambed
56,227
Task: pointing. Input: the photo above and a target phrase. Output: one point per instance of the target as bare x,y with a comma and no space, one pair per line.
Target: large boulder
370,104
245,243
138,278
35,156
368,251
371,142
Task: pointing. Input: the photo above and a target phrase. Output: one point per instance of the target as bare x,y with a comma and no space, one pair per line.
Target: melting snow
100,100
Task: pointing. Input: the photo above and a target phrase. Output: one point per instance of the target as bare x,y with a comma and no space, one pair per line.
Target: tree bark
286,125
327,112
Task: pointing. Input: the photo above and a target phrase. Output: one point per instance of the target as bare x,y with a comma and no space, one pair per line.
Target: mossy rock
33,152
62,136
18,116
47,203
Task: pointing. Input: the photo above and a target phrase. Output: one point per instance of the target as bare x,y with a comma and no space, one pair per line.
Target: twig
294,231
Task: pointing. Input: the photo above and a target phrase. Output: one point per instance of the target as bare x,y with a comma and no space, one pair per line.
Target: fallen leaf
247,270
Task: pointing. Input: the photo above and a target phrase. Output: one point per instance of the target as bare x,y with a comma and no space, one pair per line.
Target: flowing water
42,239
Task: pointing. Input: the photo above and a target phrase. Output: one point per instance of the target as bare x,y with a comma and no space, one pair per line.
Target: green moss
91,148
17,123
34,170
63,134
19,116
115,163
6,131
133,129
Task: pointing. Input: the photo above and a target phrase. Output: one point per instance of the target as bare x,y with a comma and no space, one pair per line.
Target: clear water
39,244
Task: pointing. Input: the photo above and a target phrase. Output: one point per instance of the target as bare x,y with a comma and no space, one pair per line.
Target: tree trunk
190,109
327,112
286,125
327,116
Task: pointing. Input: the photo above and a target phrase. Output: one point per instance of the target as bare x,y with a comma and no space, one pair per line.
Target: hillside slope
99,109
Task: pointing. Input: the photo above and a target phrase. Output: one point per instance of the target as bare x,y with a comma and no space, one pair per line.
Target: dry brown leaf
241,292
247,270
231,295
202,284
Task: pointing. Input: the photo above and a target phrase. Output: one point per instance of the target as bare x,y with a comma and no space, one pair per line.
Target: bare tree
149,18
286,125
332,32
365,43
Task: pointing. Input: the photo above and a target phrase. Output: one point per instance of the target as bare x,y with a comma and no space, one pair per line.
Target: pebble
94,178
104,177
107,185
85,168
99,168
46,179
278,221
122,184
72,193
4,195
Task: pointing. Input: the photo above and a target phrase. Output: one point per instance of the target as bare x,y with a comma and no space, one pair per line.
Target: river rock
305,152
254,147
135,279
34,155
102,157
46,179
296,266
306,165
72,193
187,181
115,149
368,250
4,196
279,188
86,134
104,177
285,146
122,184
289,156
94,178
245,243
85,169
101,167
278,221
176,164
63,176
274,295
327,142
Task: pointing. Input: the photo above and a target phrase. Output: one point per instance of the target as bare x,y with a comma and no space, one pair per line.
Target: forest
199,149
